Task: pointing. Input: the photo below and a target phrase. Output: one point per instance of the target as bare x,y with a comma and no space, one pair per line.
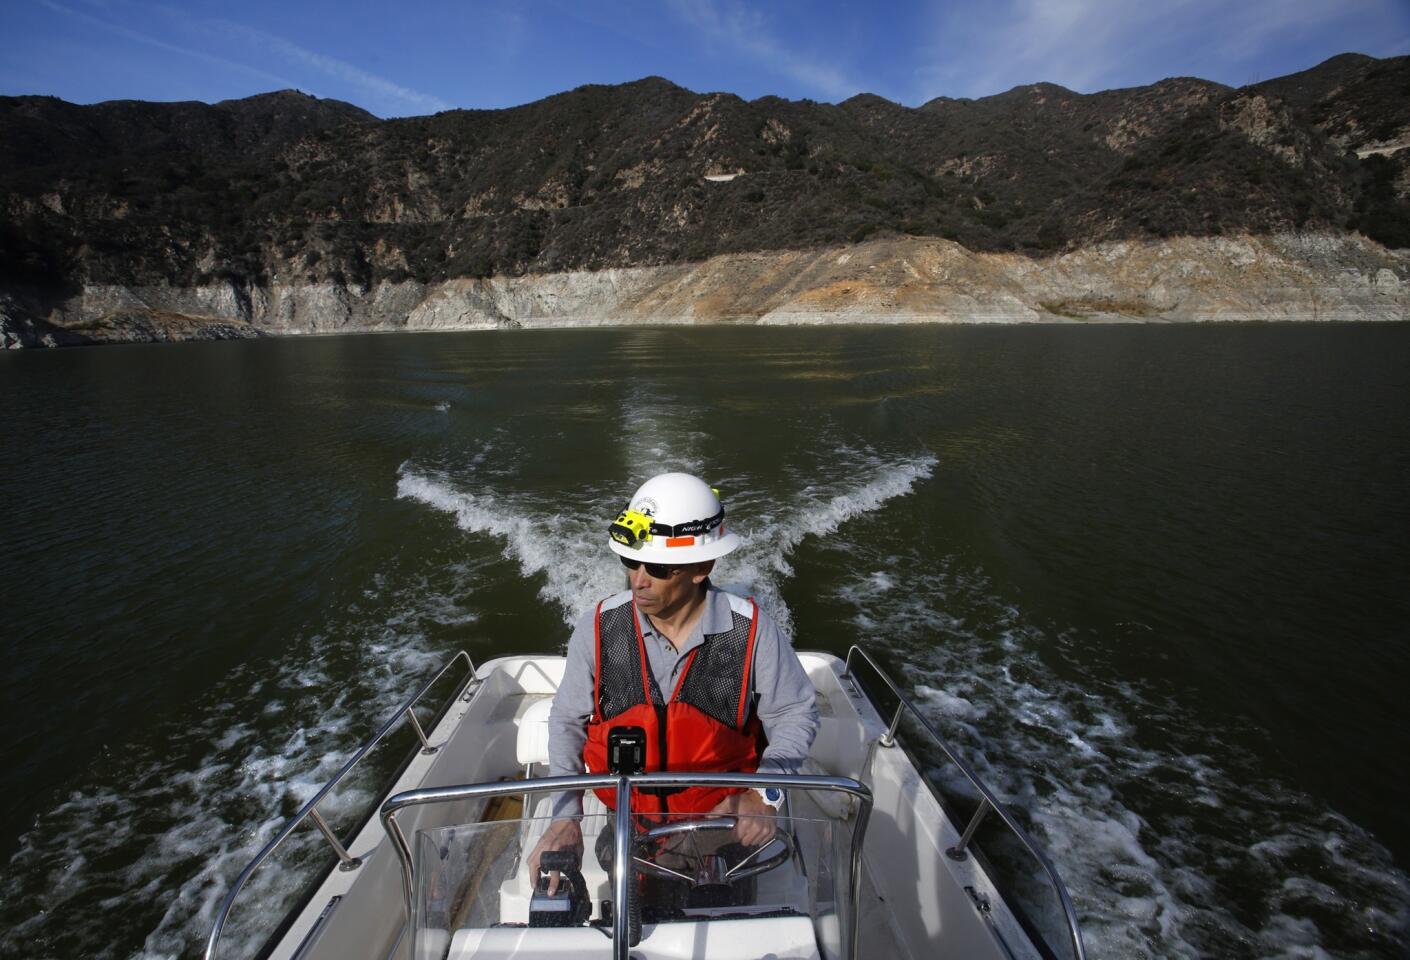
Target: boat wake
1246,867
1078,759
162,827
577,570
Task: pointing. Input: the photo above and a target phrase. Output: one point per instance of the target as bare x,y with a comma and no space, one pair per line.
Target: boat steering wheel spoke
709,868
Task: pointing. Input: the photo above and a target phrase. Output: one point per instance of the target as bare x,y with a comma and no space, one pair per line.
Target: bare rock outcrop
911,280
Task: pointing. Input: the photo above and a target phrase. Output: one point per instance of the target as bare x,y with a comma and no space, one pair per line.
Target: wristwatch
772,796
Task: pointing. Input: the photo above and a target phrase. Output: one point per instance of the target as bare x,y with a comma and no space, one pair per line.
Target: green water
1152,580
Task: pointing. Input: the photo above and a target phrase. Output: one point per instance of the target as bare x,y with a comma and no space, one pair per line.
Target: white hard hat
672,518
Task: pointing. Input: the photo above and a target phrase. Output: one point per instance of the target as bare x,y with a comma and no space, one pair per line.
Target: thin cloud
387,91
1089,45
1075,43
1252,28
747,34
511,31
273,79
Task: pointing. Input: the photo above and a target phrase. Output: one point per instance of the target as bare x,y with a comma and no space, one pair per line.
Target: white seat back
532,743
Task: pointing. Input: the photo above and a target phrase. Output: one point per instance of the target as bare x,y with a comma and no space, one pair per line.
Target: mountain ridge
285,188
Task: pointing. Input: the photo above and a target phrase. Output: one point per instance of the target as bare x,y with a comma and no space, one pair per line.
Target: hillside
286,189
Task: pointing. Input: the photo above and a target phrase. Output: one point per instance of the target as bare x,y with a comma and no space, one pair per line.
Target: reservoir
1152,580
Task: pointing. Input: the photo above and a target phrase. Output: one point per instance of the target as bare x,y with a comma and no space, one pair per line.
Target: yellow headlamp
631,528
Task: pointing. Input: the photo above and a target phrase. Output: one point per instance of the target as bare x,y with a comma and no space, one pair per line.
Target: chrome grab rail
622,858
346,861
987,802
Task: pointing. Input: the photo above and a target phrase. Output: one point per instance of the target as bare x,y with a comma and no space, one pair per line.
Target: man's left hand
754,819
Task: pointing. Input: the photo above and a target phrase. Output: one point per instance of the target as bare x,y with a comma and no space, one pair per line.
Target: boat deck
914,900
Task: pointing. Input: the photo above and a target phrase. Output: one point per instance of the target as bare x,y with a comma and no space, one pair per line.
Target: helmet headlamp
631,528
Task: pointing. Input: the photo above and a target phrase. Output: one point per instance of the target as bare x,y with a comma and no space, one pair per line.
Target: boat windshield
695,891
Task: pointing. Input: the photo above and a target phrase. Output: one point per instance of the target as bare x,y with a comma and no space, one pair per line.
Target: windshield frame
622,866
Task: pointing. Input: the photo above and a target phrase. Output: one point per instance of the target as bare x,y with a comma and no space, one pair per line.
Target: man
704,673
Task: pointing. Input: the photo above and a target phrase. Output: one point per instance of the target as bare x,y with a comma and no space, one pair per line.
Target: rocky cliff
648,202
1274,277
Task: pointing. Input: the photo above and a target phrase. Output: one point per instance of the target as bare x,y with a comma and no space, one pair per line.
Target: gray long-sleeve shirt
783,693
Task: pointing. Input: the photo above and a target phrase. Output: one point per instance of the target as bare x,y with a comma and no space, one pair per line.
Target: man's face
655,596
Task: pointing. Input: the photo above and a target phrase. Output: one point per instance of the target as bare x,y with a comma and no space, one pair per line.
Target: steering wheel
708,869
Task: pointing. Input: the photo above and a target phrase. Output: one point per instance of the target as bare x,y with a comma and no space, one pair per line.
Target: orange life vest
708,724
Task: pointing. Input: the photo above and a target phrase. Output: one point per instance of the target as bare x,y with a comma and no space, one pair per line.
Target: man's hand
560,835
754,825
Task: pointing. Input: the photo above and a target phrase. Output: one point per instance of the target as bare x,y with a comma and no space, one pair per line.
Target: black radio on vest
626,751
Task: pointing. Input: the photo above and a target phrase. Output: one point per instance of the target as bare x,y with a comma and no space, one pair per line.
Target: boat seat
531,743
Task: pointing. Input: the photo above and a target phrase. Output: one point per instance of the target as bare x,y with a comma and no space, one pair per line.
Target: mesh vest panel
713,684
620,683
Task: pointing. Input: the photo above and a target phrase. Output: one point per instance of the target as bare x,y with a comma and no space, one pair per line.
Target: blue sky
416,58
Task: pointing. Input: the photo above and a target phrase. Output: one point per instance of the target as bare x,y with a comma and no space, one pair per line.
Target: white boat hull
916,902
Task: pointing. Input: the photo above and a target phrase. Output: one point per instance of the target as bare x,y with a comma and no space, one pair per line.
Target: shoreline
706,325
1293,278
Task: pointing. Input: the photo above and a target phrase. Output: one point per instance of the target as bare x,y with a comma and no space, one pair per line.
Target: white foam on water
761,566
179,814
657,437
1148,882
657,434
1070,758
539,540
567,546
568,550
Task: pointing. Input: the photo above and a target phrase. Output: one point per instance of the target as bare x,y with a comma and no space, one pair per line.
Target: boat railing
622,857
988,802
309,811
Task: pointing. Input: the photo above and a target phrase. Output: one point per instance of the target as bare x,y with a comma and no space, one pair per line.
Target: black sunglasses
656,571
